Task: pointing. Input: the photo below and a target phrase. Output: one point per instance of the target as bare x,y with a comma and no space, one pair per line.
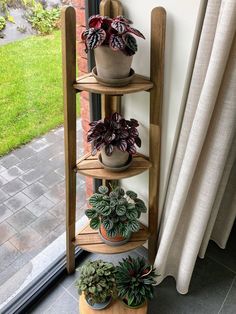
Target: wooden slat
89,83
90,166
116,307
158,27
69,76
89,240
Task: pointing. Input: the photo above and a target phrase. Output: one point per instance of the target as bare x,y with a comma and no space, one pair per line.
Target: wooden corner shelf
89,240
89,165
88,83
116,307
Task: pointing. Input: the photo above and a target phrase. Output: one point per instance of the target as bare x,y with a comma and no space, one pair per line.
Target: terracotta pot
112,64
117,158
114,241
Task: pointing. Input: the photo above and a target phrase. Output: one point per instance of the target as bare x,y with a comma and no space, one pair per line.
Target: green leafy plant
135,279
118,211
44,21
2,23
97,281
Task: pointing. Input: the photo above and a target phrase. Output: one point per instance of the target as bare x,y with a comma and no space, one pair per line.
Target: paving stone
3,196
8,253
21,219
45,224
35,190
229,306
12,173
57,193
39,145
30,163
6,232
60,132
51,151
4,212
59,210
57,161
52,137
40,206
2,181
24,152
2,168
17,202
25,240
9,161
14,187
51,179
61,171
35,174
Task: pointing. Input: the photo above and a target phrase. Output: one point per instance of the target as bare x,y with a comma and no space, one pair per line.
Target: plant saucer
116,169
113,82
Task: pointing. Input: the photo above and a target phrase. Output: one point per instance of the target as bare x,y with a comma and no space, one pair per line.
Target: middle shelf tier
89,240
89,165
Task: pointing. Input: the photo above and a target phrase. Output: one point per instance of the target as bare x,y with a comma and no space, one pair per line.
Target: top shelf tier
88,83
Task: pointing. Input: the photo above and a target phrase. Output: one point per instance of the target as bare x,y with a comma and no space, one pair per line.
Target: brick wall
82,62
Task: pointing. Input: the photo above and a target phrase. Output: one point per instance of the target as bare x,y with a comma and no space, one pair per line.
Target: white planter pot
117,158
112,64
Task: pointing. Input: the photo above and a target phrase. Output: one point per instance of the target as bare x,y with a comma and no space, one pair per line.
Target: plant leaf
130,42
95,223
116,42
122,145
108,224
120,210
103,189
91,213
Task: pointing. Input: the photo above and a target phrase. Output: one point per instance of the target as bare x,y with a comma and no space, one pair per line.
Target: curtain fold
205,154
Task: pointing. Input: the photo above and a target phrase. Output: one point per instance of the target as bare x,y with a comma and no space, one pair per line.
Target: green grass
30,89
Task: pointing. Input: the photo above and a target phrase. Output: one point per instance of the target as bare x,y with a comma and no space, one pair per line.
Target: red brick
78,3
85,95
80,17
81,50
83,64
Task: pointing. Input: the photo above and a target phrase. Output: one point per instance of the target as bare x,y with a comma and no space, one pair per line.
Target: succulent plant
115,33
97,281
135,279
118,211
114,132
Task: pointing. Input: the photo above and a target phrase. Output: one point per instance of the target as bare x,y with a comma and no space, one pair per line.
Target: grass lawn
30,89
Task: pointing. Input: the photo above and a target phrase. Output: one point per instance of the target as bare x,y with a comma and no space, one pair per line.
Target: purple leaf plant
115,33
114,132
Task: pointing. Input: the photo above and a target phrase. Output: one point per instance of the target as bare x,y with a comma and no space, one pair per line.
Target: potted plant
113,44
115,214
135,279
117,138
97,283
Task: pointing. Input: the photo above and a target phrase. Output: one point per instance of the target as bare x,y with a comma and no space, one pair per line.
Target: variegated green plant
97,281
118,211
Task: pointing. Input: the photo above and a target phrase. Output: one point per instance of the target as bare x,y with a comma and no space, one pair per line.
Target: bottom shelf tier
116,307
89,240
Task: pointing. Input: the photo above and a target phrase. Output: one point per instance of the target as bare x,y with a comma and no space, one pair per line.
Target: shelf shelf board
116,307
89,165
89,240
88,83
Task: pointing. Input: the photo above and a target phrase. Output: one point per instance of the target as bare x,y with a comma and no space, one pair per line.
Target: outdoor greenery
118,211
30,89
97,281
2,23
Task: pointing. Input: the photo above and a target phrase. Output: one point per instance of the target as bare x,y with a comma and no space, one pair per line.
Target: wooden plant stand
111,101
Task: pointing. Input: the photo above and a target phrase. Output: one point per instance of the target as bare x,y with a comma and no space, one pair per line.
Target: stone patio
32,199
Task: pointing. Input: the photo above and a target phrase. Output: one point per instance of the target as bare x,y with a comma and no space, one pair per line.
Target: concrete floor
32,199
212,289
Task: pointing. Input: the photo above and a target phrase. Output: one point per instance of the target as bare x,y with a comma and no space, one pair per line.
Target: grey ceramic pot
99,306
117,158
112,64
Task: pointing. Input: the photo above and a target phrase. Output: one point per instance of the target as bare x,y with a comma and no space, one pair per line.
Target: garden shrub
2,23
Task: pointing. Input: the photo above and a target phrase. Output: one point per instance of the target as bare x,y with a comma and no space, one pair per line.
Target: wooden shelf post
69,93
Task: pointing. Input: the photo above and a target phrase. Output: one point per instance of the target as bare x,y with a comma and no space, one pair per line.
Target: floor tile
2,181
65,304
51,179
25,240
4,212
13,187
8,254
21,219
3,196
45,224
40,206
2,168
35,190
229,306
11,173
6,232
17,202
9,161
209,286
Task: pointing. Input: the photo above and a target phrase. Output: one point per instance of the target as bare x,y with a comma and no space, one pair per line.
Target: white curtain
201,198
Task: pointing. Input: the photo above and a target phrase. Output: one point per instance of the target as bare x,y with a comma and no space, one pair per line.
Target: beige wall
183,20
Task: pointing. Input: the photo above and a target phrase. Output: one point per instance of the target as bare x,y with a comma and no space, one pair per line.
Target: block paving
32,199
